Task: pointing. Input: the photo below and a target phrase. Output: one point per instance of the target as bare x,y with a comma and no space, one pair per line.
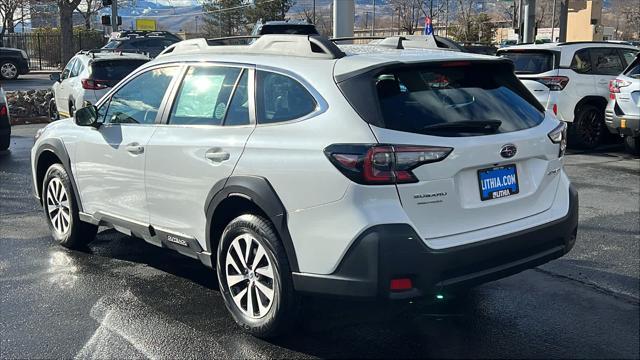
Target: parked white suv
623,111
572,79
294,166
88,76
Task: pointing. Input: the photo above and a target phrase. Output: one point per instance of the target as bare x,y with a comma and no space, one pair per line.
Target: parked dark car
149,42
290,27
5,124
13,62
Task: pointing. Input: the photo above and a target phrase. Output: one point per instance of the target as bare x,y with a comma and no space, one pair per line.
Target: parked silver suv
294,166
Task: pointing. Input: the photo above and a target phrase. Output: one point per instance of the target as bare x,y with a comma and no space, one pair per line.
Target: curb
30,120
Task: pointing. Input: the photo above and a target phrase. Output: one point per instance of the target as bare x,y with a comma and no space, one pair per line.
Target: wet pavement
124,298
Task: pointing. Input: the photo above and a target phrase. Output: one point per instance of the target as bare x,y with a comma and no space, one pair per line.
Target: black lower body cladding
393,251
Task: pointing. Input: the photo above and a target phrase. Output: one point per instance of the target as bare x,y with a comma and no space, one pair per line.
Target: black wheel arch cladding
259,191
56,146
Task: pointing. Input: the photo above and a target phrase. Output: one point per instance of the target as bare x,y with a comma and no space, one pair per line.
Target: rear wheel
61,210
255,278
632,145
587,129
72,109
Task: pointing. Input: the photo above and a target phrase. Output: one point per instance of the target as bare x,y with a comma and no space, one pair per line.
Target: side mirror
54,76
87,116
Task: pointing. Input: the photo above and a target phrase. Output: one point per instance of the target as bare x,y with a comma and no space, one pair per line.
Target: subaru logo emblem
508,151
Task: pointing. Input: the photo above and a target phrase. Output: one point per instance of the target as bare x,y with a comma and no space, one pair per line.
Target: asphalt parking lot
36,81
123,298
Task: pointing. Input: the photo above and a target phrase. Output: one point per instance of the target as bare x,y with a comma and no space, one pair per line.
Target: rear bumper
614,124
386,252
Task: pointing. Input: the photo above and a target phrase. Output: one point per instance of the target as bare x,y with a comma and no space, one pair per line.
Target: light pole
114,15
373,19
553,21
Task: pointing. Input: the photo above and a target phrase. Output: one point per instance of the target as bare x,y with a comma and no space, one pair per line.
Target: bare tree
66,8
408,12
88,9
9,14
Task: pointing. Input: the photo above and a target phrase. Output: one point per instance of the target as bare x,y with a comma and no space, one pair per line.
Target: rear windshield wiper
467,126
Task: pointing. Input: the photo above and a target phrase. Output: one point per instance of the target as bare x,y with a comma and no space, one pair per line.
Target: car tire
53,111
251,259
61,210
587,130
632,145
4,143
72,108
8,70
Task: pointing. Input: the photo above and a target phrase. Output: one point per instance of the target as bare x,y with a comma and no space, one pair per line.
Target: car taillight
559,136
616,84
382,164
3,110
91,84
554,83
555,109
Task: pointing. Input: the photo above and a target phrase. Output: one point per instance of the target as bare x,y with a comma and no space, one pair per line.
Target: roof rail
93,52
311,46
400,41
587,42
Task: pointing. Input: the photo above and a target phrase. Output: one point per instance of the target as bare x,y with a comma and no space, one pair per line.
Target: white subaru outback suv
572,80
293,166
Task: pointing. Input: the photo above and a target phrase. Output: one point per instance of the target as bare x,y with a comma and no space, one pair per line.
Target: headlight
559,136
24,54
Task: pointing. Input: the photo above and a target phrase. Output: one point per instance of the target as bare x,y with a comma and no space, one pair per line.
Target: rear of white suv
572,79
623,111
373,173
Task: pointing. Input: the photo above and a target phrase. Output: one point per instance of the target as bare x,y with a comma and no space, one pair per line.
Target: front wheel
61,210
8,70
587,129
53,111
632,145
255,278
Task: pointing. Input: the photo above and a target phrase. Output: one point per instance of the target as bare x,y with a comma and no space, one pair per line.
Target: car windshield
112,45
455,100
114,70
530,62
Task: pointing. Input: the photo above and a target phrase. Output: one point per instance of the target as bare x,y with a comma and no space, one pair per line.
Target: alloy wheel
58,206
591,128
250,277
8,70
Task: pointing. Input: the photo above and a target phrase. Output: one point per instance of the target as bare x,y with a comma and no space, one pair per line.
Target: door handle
135,148
217,155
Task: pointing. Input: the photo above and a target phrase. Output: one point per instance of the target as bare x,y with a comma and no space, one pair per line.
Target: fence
44,49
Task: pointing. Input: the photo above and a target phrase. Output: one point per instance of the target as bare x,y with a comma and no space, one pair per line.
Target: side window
281,98
581,62
137,102
238,112
628,55
204,96
77,69
606,61
67,69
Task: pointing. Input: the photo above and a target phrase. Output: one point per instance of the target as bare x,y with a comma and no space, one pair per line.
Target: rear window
289,29
114,70
530,62
461,100
112,45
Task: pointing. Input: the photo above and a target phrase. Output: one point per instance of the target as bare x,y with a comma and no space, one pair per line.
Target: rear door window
281,98
204,96
606,61
530,62
465,99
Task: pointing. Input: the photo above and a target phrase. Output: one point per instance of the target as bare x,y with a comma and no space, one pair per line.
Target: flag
428,27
